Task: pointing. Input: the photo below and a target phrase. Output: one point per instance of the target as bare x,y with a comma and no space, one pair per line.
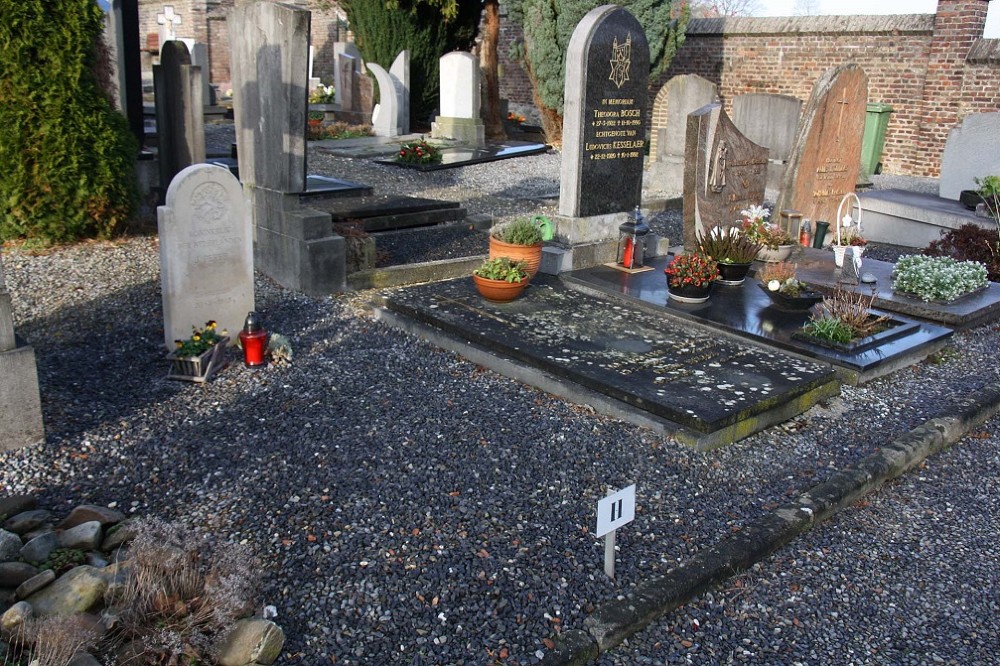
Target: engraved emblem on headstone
718,182
621,60
209,202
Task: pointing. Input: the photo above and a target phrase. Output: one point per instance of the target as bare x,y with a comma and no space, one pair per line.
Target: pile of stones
89,549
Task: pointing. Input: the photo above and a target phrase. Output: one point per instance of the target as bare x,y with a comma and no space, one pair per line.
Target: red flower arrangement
693,269
418,152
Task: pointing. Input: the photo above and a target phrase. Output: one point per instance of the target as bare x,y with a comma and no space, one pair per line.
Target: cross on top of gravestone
169,20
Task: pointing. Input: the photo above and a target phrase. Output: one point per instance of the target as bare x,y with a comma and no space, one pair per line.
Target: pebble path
410,507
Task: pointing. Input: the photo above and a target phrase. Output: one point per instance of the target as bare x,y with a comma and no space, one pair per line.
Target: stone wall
932,68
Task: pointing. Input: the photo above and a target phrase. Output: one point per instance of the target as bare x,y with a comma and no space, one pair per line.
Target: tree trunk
552,120
491,78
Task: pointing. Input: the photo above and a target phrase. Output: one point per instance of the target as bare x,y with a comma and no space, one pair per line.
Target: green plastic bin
876,122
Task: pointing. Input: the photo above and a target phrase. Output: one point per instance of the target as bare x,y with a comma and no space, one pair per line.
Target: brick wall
932,68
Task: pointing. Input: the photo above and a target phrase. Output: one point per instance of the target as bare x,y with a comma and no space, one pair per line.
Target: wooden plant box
198,368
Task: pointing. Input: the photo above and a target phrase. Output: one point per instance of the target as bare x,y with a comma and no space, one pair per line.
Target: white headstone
972,151
385,118
206,253
401,70
460,94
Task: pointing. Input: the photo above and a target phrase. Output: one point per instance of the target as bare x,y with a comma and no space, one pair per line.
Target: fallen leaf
549,643
504,653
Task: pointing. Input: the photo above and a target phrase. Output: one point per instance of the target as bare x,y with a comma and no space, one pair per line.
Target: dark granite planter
733,274
800,303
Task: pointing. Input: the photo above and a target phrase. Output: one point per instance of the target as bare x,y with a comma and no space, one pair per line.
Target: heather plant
179,593
937,278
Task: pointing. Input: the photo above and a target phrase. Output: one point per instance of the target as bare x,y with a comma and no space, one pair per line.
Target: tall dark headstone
724,172
179,122
604,120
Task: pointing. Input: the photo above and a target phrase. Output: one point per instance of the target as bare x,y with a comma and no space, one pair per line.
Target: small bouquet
322,95
762,232
418,152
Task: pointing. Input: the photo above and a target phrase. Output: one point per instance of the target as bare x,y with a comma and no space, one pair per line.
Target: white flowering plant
322,95
937,278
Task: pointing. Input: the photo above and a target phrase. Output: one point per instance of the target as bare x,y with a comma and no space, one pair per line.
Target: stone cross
169,20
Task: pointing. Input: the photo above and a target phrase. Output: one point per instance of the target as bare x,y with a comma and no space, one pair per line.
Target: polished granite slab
817,268
747,312
708,388
458,156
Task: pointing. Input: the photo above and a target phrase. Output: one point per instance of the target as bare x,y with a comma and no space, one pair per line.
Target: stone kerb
461,101
385,118
206,253
20,402
607,70
826,159
972,151
725,172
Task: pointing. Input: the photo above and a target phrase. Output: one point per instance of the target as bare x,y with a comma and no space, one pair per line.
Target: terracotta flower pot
499,291
531,255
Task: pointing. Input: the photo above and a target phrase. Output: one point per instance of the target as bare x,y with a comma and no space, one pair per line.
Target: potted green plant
784,289
501,279
520,240
939,279
777,244
732,250
201,355
987,192
690,277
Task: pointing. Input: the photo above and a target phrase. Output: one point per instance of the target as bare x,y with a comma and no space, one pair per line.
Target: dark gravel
410,507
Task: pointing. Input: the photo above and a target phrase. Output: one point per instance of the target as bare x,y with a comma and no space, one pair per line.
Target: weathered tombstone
972,151
269,72
401,70
293,244
344,52
168,22
20,403
206,252
179,122
461,101
607,69
677,98
385,117
770,121
725,172
826,158
346,91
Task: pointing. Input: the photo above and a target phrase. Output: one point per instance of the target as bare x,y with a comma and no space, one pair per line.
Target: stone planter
772,255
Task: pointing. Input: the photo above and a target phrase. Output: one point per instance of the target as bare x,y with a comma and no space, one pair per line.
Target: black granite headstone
604,136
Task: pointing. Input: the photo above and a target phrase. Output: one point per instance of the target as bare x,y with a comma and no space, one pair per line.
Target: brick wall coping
984,52
776,25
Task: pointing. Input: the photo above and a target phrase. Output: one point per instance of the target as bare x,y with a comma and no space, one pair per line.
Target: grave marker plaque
724,173
206,253
826,158
607,71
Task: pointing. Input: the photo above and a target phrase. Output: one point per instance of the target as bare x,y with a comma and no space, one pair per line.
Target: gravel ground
403,517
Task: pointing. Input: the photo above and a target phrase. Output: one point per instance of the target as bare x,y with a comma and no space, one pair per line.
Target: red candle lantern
253,338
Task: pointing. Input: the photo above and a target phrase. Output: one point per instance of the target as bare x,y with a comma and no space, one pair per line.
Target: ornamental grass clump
845,316
694,269
937,278
729,245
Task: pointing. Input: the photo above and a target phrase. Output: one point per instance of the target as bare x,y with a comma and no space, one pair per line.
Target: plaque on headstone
724,173
206,253
826,158
607,69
